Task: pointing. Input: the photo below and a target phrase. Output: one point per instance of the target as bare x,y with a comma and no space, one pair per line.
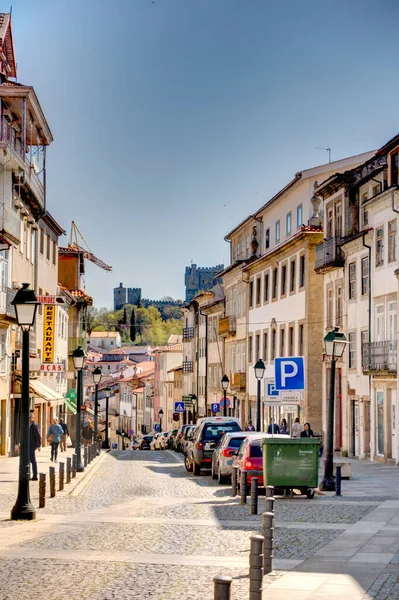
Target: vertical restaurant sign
48,333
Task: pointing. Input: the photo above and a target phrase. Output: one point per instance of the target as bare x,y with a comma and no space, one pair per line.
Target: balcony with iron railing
227,326
7,311
379,357
188,333
238,382
328,256
10,224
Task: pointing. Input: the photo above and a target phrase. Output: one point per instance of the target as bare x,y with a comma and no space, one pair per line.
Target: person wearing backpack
35,443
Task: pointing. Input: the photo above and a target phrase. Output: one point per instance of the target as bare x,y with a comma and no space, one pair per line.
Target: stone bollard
256,567
85,456
42,490
61,475
270,504
74,464
234,482
254,496
268,534
90,450
52,482
68,470
269,491
338,480
243,487
222,587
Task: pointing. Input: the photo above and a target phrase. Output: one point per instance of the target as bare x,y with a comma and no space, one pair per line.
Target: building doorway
3,428
380,423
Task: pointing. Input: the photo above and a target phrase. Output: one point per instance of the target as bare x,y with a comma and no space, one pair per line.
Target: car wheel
221,478
188,464
213,474
310,494
196,469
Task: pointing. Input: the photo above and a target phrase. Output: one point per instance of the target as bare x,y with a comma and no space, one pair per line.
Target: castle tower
119,297
200,278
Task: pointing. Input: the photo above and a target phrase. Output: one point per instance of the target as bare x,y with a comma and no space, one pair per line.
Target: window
392,228
22,235
250,349
267,238
48,247
28,241
292,278
329,308
291,341
301,339
283,280
365,275
380,323
338,220
277,231
364,336
247,246
288,224
379,247
365,217
41,241
265,346
299,216
376,189
273,348
257,347
266,288
364,197
339,306
352,350
282,342
394,168
329,223
251,294
302,271
352,281
392,321
54,253
258,290
275,278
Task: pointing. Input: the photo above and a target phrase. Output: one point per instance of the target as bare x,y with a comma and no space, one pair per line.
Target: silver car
223,456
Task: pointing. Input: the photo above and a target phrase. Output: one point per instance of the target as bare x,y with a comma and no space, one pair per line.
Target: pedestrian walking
297,428
283,426
54,434
87,433
273,428
250,427
307,432
64,437
35,443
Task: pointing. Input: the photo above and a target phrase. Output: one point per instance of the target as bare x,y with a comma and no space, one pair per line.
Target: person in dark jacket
87,433
273,428
307,432
63,444
35,443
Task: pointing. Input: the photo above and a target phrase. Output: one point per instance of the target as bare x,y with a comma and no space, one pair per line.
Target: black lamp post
25,304
195,411
160,414
79,359
259,369
334,344
97,374
225,384
107,392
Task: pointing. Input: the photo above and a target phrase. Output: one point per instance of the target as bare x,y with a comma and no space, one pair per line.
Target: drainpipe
206,360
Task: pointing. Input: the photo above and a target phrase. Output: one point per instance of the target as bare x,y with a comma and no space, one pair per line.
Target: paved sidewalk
9,469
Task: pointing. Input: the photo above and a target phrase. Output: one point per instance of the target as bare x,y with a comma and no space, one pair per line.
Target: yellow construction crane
75,243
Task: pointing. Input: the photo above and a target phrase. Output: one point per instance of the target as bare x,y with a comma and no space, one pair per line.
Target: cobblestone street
142,527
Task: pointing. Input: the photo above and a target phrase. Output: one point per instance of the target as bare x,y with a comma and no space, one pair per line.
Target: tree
133,327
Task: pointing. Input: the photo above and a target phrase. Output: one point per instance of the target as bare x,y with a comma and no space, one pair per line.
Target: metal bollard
68,470
243,487
268,534
90,451
42,490
338,480
74,464
254,496
222,587
256,567
270,504
234,482
52,482
269,491
61,474
85,456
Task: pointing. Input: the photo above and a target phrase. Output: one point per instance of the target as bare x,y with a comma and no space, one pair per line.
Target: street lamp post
225,384
79,359
97,375
334,344
259,369
160,414
25,304
195,411
107,392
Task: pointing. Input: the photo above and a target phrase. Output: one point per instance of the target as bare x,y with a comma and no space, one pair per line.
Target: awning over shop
44,391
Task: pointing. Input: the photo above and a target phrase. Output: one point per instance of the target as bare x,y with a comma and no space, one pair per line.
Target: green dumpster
291,463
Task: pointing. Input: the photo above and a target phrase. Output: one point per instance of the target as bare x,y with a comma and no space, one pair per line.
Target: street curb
86,478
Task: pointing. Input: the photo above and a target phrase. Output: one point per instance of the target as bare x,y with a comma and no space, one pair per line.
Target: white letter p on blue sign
290,373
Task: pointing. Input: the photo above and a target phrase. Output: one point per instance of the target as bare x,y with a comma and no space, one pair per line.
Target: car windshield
235,442
214,431
256,449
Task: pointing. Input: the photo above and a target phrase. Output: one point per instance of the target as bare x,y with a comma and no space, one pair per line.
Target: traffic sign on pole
290,373
228,403
179,407
215,407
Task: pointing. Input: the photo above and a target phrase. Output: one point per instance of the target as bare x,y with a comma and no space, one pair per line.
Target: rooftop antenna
328,149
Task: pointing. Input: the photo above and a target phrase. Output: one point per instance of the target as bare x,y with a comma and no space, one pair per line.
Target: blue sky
175,119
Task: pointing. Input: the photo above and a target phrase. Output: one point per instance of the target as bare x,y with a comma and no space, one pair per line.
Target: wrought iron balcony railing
328,256
379,356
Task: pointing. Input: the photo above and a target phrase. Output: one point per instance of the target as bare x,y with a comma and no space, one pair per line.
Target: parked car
155,442
163,440
187,437
250,459
225,452
134,445
206,437
171,439
179,436
145,443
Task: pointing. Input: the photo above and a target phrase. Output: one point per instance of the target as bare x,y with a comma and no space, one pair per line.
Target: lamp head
25,304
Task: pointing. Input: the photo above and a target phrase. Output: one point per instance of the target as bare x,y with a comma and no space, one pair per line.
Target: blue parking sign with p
215,407
290,373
